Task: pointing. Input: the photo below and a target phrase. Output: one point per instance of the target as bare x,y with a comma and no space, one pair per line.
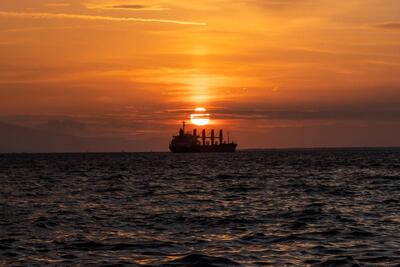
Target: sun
200,117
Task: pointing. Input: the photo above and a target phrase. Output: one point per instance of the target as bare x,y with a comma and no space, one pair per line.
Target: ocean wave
264,208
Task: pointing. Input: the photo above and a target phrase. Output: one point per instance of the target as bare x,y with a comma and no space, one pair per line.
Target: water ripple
266,208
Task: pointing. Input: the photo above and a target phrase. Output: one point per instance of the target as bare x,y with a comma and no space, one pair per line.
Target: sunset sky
275,73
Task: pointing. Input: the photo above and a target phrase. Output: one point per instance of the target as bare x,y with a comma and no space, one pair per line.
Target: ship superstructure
191,142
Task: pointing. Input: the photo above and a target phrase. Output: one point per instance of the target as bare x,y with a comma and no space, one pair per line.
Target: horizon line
239,150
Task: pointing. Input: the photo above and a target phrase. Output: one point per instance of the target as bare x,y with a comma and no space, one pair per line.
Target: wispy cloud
42,15
388,26
136,7
132,7
34,29
57,4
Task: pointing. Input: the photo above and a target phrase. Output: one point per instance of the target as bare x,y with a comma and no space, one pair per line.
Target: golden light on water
200,117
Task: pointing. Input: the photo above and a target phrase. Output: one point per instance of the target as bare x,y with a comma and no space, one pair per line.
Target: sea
299,207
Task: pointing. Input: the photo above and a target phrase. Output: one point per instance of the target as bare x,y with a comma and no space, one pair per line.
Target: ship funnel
203,137
221,136
212,137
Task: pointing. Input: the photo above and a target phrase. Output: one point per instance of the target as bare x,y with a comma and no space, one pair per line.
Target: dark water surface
267,208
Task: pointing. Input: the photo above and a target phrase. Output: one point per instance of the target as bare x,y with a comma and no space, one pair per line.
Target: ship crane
212,136
189,142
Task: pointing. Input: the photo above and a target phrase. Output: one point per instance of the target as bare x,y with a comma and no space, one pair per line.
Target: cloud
62,125
388,26
17,139
379,112
6,43
57,5
381,105
42,15
132,7
137,7
277,4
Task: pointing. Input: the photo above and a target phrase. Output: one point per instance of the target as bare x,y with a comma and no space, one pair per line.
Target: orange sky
276,73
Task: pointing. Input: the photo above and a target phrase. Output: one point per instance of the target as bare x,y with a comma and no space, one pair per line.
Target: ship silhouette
187,142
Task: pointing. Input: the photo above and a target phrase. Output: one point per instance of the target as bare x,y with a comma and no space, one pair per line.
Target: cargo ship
187,142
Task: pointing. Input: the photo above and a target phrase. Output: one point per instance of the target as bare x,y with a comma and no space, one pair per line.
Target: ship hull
223,148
